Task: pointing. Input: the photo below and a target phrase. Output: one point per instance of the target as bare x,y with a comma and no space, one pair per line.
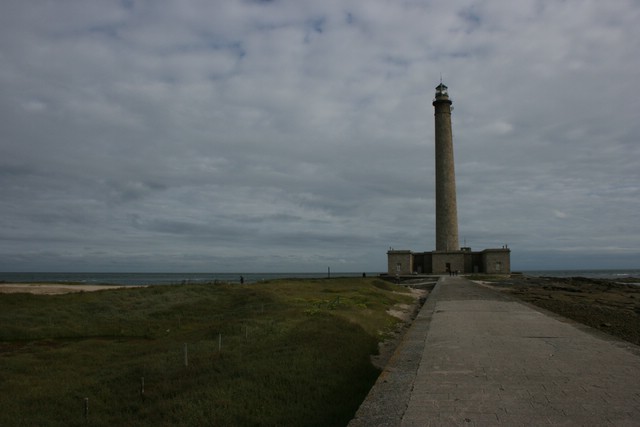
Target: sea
138,279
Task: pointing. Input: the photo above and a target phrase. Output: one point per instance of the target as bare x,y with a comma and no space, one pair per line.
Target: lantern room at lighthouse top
442,92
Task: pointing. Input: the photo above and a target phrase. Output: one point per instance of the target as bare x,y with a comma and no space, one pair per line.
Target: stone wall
399,262
497,261
455,261
490,261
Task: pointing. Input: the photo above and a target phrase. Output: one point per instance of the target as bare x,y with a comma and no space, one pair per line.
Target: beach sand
50,288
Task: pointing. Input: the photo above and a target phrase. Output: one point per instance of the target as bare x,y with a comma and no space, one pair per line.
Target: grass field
291,352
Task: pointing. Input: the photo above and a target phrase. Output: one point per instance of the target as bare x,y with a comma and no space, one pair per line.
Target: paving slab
475,357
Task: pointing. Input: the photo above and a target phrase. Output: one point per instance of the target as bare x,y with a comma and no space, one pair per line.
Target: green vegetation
290,352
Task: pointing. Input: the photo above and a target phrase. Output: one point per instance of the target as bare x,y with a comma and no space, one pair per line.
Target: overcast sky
288,135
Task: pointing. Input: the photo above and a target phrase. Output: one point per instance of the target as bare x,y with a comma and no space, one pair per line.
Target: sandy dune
50,288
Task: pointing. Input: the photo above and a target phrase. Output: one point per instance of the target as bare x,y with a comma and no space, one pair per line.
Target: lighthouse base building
464,261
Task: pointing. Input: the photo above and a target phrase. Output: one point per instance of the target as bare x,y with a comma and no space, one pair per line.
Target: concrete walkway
474,357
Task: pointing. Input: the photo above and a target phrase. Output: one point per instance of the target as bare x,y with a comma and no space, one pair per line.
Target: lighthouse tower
448,256
446,208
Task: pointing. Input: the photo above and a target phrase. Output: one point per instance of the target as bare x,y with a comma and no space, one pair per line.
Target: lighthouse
446,207
448,256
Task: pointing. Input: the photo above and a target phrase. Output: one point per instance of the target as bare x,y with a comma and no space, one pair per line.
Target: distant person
364,275
241,280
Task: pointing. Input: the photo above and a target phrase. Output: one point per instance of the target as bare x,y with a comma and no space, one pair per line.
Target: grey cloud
192,135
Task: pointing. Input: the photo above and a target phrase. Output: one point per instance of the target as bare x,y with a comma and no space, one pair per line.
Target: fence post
86,408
